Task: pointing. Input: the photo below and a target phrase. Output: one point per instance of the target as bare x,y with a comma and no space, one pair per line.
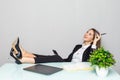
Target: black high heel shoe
16,59
19,54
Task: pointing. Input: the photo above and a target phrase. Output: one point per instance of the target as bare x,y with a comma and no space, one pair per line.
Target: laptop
43,69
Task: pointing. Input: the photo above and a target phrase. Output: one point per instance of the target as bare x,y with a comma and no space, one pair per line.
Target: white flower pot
101,72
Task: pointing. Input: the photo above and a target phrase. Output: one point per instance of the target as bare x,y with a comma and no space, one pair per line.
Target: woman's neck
86,43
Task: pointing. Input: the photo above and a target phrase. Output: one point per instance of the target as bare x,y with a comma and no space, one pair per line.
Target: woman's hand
96,39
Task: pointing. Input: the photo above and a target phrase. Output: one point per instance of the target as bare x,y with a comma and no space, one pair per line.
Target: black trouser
50,58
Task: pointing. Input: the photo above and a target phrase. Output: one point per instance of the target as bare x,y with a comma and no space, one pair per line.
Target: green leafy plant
102,58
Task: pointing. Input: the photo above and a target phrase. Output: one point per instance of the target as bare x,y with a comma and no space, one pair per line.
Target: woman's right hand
96,39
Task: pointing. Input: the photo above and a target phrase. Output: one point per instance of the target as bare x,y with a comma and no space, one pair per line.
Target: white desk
12,71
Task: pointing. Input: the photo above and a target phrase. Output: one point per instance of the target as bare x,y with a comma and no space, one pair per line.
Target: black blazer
86,54
57,58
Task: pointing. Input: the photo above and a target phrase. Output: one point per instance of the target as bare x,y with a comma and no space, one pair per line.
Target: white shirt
77,56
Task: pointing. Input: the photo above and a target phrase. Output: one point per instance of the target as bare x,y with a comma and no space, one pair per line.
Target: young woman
80,53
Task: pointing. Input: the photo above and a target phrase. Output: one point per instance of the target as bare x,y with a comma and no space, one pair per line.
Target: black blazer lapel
86,54
71,54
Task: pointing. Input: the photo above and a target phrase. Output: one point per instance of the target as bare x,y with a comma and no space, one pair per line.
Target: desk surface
12,71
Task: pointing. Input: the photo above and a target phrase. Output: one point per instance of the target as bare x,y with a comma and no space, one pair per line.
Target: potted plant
102,60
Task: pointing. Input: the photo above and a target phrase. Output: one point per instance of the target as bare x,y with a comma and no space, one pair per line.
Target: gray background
43,25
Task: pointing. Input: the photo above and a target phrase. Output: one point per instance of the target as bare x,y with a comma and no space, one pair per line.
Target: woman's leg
27,60
19,51
28,57
26,53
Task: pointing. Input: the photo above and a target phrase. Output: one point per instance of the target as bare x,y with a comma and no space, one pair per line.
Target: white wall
43,25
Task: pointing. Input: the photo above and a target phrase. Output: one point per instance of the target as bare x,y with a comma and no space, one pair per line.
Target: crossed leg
27,57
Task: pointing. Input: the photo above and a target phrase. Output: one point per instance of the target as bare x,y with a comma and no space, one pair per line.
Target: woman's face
88,36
